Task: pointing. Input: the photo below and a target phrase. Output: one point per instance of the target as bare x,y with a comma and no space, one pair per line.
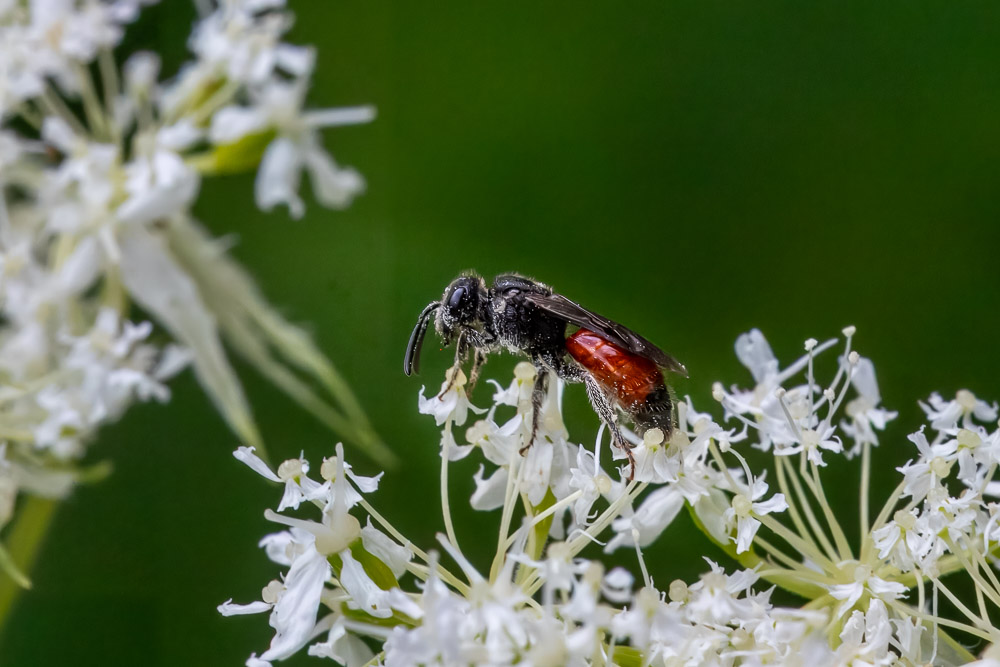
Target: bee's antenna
411,363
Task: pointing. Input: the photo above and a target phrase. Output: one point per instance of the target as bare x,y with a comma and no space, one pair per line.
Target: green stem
445,505
905,611
797,542
417,551
831,519
55,106
23,541
890,504
982,586
866,473
510,493
791,499
823,542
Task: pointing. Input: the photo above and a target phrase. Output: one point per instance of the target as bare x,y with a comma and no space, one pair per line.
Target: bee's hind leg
606,411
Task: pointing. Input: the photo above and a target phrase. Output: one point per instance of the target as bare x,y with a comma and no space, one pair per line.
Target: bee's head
461,306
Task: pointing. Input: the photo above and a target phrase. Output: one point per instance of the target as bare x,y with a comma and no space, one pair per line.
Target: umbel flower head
100,167
887,598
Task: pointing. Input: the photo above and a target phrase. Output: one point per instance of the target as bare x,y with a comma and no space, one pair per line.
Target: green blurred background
691,169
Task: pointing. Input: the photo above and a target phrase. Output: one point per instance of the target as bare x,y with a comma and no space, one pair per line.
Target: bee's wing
622,336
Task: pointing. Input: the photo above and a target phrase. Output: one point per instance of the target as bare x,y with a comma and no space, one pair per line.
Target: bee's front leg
461,350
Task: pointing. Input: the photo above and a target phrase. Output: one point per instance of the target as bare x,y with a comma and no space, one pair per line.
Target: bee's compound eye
456,297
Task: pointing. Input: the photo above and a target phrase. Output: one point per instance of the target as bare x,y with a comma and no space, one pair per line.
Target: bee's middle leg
537,400
479,359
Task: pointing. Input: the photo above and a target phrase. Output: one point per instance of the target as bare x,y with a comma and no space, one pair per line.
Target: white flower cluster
342,583
99,169
877,601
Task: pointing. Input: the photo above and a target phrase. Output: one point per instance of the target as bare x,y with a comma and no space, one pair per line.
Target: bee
621,370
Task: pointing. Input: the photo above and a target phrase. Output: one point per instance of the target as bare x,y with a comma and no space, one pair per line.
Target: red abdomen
629,377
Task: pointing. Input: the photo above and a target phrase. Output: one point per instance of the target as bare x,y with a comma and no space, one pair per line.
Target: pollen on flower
853,358
811,343
652,437
742,505
459,375
680,439
678,591
849,330
559,551
328,469
940,467
603,483
904,519
290,469
718,393
967,438
966,399
272,591
525,371
594,574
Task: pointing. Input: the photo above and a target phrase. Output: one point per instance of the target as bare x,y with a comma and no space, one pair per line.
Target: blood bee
634,382
621,370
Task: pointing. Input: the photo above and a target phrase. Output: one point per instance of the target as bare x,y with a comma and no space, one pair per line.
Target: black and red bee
619,368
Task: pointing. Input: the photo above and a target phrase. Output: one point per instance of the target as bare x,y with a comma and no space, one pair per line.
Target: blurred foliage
691,169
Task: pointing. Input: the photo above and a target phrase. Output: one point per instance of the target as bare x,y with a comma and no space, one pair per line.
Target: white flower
653,462
338,529
520,389
490,492
754,352
945,415
293,473
588,478
347,649
294,614
380,545
931,467
715,597
241,41
812,442
278,107
308,548
451,403
655,513
865,637
864,582
903,540
777,419
158,183
741,511
865,413
498,443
